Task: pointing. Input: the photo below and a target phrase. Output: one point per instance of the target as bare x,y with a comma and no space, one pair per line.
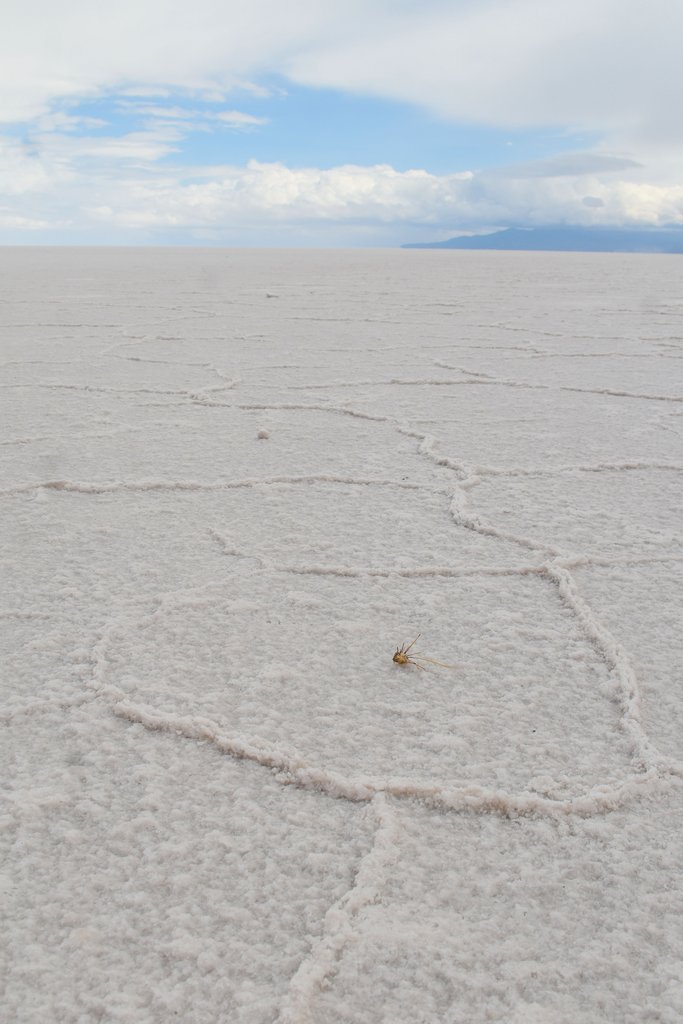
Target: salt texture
224,801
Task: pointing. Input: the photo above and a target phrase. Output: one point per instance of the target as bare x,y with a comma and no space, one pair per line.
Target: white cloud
236,119
260,203
145,92
50,51
157,111
60,121
23,170
143,147
192,118
610,66
11,221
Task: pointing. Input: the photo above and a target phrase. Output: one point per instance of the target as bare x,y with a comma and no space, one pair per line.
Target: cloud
157,111
60,121
23,170
52,51
142,147
568,165
610,66
369,194
236,119
192,118
262,203
13,222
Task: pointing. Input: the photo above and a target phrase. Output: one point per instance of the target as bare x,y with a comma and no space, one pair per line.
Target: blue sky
378,123
317,127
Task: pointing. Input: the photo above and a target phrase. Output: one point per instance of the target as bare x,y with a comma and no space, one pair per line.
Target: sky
317,123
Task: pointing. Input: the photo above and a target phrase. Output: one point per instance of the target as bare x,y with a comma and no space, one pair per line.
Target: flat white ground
233,482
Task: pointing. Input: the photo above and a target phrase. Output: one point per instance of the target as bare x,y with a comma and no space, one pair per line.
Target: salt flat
233,482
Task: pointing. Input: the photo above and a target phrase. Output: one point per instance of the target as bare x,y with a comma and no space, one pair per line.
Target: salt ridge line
397,381
598,467
338,927
591,560
340,410
194,395
71,437
98,688
628,693
95,388
503,326
479,380
471,477
429,443
576,561
435,382
161,320
618,393
417,572
290,765
292,768
414,573
114,486
472,474
567,562
603,355
42,362
468,480
204,365
530,352
477,525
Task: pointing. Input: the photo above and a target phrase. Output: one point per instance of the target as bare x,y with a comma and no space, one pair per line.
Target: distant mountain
568,239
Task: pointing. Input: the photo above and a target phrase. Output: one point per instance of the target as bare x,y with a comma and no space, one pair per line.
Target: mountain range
568,239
